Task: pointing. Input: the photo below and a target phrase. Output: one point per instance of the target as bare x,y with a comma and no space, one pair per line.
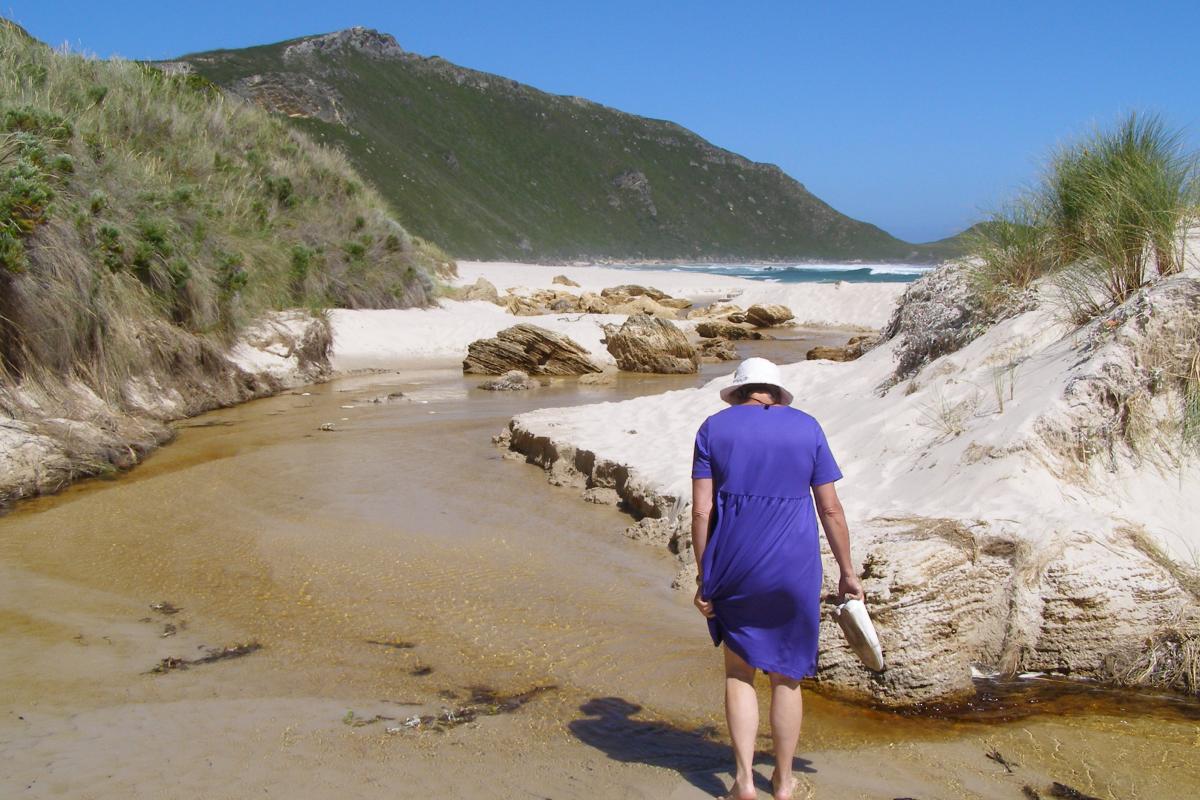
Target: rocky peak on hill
367,41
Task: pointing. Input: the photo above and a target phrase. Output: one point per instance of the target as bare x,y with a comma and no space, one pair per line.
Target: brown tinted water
399,560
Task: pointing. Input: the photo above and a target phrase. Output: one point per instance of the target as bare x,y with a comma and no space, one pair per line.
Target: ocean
798,273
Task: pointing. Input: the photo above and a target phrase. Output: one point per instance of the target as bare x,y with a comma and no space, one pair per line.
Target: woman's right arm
702,502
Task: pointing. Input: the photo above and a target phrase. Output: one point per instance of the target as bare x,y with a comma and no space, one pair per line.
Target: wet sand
390,567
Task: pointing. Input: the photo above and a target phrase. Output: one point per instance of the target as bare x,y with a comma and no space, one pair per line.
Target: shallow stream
400,559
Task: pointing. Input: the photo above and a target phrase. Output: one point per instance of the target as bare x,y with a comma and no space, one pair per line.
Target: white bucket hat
756,371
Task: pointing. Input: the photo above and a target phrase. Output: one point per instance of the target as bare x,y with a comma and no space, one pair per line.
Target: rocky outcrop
563,280
768,316
725,330
530,349
648,344
622,293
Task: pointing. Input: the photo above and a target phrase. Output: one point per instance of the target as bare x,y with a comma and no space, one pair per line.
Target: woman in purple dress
758,467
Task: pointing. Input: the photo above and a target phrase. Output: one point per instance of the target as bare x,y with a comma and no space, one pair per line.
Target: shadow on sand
611,728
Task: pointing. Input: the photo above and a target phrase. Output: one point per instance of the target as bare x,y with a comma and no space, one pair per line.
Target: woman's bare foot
742,791
783,788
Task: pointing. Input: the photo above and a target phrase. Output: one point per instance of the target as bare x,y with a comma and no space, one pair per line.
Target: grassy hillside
144,215
491,168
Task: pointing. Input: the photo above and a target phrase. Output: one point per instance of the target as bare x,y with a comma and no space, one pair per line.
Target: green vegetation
494,169
143,214
1109,215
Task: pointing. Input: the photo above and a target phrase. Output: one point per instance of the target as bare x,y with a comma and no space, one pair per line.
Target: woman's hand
849,584
705,606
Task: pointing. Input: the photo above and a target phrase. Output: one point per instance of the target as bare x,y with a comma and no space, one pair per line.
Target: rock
606,378
848,352
563,280
648,344
602,495
633,290
717,350
511,381
724,330
675,302
592,303
768,316
483,289
522,306
716,311
530,349
644,305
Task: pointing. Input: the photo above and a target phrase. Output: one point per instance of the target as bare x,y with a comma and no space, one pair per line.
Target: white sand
384,339
841,304
944,450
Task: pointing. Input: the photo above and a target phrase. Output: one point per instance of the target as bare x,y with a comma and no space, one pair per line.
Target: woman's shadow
611,728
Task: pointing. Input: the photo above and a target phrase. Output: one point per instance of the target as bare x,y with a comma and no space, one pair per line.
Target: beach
394,564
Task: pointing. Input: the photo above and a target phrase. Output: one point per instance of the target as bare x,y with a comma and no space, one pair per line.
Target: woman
757,467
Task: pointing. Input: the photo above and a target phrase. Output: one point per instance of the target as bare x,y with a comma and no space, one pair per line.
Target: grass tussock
1169,659
1109,215
145,218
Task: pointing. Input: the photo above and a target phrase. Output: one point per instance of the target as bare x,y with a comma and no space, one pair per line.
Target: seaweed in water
484,702
397,644
1068,792
172,663
996,756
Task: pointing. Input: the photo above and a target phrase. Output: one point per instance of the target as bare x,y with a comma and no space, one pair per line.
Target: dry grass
1169,659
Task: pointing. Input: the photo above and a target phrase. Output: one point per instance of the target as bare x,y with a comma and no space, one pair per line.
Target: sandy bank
999,523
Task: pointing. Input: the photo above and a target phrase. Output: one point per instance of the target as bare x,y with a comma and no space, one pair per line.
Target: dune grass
142,213
1109,215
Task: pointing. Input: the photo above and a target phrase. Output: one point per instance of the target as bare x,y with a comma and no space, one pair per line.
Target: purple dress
762,565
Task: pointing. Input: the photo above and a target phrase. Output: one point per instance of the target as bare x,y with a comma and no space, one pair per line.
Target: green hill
491,168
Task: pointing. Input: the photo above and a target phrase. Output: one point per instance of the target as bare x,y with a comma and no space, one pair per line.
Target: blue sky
916,116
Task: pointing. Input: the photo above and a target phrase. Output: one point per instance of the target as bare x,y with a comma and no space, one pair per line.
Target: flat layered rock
530,349
649,344
716,329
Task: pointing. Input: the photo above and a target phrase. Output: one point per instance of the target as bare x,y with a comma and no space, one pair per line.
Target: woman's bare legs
741,712
787,712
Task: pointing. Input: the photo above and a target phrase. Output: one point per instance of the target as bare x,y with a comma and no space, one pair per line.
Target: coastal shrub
1110,214
123,189
1013,249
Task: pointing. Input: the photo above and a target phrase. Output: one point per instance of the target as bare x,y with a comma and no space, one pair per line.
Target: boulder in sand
563,280
768,316
649,344
530,349
717,350
522,306
724,330
847,352
482,289
592,303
